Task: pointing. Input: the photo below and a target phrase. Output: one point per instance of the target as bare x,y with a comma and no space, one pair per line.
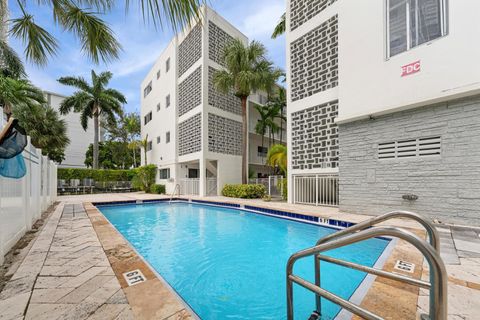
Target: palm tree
277,157
81,18
261,127
47,131
247,70
280,28
14,92
132,126
10,63
144,146
93,101
278,103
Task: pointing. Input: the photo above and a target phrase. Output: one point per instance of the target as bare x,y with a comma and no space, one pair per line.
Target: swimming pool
230,264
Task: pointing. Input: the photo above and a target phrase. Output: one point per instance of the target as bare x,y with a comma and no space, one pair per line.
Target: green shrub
144,177
158,189
98,175
244,191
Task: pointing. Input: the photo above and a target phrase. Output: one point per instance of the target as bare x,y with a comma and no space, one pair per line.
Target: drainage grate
404,266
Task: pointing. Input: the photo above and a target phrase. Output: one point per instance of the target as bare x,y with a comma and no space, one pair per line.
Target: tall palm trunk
4,20
134,159
244,139
95,141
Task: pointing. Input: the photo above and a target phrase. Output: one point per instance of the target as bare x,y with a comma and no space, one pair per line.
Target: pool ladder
363,231
177,187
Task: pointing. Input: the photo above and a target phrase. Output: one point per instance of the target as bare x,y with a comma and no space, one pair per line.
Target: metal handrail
177,186
438,279
432,232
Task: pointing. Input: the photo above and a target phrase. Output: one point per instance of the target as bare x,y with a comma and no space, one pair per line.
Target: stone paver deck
68,275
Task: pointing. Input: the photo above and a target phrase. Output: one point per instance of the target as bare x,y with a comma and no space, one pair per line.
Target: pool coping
362,294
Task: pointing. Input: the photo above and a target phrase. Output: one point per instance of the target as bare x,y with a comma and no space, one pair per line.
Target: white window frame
167,65
444,22
167,170
167,137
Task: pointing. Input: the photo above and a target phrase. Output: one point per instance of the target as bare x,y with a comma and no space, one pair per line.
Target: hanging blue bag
13,168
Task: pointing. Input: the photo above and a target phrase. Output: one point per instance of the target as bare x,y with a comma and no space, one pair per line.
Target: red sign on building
411,68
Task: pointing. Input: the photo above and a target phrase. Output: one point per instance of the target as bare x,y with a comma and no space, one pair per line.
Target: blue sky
142,44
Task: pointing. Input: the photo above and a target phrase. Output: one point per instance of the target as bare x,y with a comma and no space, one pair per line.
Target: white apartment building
194,132
384,106
79,138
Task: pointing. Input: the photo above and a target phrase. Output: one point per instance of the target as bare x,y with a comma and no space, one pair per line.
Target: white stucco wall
79,138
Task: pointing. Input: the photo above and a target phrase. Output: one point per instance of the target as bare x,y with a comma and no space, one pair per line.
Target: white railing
318,190
23,200
212,186
190,186
273,185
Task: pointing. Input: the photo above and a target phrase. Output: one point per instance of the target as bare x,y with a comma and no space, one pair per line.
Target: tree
111,155
144,145
10,63
277,157
247,70
45,128
93,101
82,19
133,127
280,28
18,92
277,104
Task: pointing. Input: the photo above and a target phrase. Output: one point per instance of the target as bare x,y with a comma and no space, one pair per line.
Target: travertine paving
66,275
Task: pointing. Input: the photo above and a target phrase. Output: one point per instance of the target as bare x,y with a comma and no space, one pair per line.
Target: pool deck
74,269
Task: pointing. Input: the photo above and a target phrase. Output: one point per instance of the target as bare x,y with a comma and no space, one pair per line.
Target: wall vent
410,148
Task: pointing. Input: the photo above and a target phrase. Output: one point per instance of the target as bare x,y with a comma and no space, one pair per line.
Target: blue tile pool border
305,218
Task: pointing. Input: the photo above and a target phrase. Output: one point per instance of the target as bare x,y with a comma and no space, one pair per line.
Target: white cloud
263,19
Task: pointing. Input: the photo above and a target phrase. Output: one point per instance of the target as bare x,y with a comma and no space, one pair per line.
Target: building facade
194,132
384,106
79,138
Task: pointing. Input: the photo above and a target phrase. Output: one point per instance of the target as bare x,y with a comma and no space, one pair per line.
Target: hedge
244,191
99,175
158,189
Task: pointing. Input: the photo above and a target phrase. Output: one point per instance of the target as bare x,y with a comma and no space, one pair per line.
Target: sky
142,44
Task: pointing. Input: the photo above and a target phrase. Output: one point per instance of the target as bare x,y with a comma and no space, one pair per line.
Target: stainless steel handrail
432,232
438,279
177,186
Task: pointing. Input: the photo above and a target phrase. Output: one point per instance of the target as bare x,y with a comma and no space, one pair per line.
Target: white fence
273,185
319,190
190,187
23,200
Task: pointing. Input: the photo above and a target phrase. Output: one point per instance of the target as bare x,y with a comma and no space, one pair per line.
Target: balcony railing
318,190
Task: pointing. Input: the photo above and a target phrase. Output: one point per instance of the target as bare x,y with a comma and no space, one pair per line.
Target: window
158,106
164,173
410,148
167,137
149,145
167,101
147,89
167,65
414,22
148,117
262,151
158,74
158,139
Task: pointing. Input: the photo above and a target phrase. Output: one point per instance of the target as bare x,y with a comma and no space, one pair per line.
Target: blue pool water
230,264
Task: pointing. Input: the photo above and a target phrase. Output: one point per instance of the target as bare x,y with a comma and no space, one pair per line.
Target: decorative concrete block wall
224,135
190,50
314,60
315,137
303,10
190,135
227,102
217,40
190,92
447,185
